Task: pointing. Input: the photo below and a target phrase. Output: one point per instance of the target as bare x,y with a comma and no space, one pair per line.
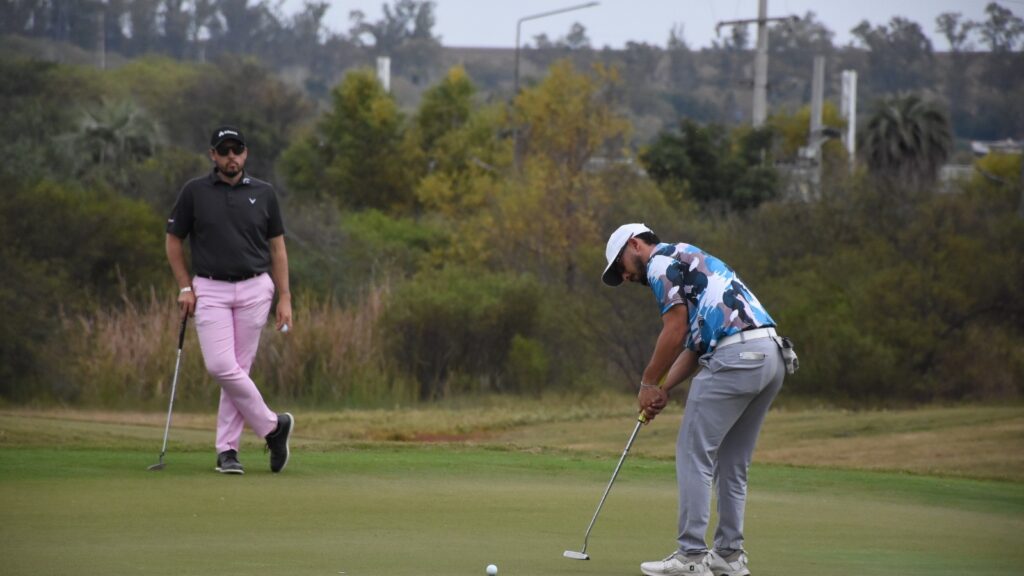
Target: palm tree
906,141
112,136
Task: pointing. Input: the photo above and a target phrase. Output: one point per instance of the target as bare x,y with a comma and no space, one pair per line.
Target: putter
582,554
174,384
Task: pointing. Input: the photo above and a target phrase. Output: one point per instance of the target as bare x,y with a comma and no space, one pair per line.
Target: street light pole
519,25
515,90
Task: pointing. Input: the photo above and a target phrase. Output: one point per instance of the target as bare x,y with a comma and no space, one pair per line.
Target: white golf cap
616,242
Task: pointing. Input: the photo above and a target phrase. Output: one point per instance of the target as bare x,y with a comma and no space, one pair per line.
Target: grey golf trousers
728,401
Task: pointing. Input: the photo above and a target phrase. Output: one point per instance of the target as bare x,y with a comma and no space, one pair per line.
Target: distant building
982,147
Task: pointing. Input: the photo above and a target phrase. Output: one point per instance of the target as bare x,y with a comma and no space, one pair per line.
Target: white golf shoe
724,567
677,565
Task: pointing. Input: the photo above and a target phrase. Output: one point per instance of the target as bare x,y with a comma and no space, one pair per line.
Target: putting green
437,510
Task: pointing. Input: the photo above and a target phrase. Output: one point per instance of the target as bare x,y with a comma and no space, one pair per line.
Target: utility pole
816,137
760,112
761,66
849,110
818,133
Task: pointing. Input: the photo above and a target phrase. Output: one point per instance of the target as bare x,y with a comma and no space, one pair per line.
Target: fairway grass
447,509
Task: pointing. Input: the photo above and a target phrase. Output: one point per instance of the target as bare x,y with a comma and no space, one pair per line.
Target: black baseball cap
225,133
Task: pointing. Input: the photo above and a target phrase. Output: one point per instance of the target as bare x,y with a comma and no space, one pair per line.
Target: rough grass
985,442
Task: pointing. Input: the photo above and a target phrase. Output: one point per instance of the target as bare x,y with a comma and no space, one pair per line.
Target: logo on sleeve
252,201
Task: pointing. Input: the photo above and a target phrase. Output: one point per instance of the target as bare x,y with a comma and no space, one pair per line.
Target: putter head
156,467
575,555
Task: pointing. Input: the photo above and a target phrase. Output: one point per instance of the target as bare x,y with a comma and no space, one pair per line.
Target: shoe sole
287,448
228,471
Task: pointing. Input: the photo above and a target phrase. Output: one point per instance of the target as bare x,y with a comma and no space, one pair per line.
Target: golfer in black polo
236,236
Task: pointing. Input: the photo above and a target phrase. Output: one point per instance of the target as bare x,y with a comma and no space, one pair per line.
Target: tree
682,69
577,38
444,108
307,28
906,141
569,129
900,55
65,249
957,33
405,34
1003,30
111,137
456,139
355,155
640,63
687,163
575,44
35,104
712,166
792,46
955,30
267,110
792,130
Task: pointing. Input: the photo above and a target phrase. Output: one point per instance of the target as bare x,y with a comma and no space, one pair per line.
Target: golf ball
492,570
284,328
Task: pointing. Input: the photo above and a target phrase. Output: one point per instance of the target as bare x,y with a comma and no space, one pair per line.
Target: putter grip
642,417
181,335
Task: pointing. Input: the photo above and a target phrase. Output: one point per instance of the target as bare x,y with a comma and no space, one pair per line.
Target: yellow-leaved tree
569,134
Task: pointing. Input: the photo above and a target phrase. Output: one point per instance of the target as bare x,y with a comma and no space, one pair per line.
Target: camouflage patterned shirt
718,303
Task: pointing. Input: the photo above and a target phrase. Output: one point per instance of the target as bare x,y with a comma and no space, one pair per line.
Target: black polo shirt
229,227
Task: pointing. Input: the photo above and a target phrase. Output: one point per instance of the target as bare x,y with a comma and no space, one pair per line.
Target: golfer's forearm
176,258
669,346
279,267
684,367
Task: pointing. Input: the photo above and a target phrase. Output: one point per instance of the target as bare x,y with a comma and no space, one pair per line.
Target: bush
66,249
452,329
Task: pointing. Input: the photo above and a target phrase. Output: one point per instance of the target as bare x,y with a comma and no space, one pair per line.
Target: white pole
817,96
384,72
849,108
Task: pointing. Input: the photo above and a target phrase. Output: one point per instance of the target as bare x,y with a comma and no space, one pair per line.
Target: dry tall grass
124,357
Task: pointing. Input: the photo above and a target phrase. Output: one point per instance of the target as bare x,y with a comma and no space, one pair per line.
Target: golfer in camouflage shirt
714,327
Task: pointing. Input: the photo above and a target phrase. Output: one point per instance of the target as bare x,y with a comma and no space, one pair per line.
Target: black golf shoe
227,463
277,442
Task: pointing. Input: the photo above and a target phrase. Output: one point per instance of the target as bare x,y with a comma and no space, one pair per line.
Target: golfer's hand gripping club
651,400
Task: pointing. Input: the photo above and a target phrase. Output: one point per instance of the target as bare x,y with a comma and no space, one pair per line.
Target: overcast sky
492,23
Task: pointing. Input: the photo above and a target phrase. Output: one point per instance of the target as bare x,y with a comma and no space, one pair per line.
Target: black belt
231,279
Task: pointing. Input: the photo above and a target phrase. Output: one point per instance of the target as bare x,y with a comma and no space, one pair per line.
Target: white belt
747,335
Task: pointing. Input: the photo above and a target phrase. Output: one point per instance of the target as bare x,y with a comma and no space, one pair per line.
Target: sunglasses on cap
225,149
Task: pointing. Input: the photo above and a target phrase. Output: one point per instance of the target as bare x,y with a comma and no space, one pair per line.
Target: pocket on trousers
745,360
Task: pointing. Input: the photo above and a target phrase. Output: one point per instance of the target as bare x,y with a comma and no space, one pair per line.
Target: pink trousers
229,320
